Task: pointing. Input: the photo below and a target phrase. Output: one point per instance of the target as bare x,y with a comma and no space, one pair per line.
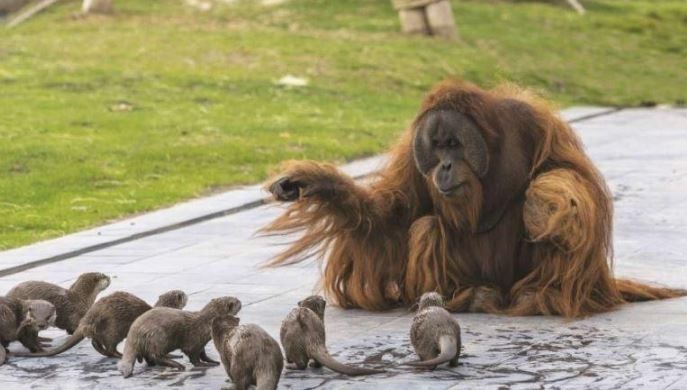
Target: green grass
102,117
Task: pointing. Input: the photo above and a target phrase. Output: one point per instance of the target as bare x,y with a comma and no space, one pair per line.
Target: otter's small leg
170,363
242,384
315,364
297,359
301,365
205,358
28,337
111,350
453,362
99,347
197,361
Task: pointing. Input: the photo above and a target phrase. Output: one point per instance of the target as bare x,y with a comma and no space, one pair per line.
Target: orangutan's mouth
450,190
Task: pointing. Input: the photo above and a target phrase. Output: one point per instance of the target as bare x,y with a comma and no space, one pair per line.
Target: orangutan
488,198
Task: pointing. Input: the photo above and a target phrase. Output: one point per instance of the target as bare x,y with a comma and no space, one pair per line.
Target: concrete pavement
207,248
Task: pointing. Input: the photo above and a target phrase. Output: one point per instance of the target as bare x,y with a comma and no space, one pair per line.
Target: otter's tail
448,348
638,292
323,357
72,341
126,365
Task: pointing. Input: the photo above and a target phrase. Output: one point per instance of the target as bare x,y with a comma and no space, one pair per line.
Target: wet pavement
642,153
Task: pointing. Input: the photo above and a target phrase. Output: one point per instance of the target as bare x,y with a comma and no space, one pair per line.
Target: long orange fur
386,243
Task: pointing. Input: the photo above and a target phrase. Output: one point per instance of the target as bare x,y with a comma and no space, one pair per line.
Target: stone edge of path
185,214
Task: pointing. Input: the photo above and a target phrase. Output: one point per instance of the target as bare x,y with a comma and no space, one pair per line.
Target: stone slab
640,346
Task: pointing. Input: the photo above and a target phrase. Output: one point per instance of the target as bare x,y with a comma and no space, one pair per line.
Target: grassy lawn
101,117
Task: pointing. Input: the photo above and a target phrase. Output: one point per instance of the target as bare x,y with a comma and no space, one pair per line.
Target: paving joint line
609,111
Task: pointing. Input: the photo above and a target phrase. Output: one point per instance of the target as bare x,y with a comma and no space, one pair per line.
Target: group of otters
249,354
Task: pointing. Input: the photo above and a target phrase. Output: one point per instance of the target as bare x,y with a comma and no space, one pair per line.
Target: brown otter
303,337
249,354
71,304
162,330
435,335
107,322
22,320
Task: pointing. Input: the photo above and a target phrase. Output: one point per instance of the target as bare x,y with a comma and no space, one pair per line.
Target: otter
435,335
303,337
71,304
22,320
249,354
107,322
162,330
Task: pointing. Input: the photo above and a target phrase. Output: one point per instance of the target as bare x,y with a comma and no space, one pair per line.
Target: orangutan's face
450,150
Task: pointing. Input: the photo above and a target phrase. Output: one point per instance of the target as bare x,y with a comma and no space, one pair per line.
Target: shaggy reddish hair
548,252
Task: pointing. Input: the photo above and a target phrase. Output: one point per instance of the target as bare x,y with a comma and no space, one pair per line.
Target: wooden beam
413,21
97,7
577,6
440,20
23,16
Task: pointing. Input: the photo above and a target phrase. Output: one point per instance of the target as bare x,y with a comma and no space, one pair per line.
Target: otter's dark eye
452,143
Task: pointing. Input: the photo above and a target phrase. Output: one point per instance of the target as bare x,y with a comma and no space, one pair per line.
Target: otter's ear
425,160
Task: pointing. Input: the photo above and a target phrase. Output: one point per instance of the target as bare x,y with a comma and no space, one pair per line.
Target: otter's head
315,303
430,299
222,306
175,299
93,282
41,313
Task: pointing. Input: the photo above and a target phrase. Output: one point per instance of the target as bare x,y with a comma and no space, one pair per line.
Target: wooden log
413,21
23,16
97,7
577,6
440,20
403,4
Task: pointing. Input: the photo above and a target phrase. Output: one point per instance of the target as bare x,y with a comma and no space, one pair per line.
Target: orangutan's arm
321,191
562,209
363,229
